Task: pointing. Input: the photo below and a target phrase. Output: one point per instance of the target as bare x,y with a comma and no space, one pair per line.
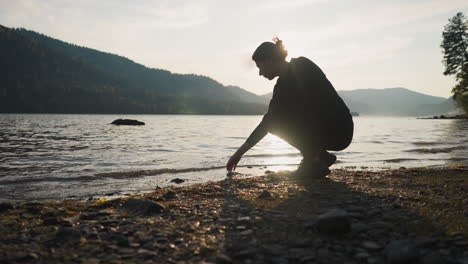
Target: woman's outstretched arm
258,133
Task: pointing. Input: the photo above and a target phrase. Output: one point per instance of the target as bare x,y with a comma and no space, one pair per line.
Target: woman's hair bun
277,41
280,47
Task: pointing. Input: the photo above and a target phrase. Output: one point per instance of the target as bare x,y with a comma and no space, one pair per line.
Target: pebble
246,232
66,234
5,206
401,252
460,243
424,242
264,195
246,253
244,218
220,259
362,255
381,225
51,221
359,227
333,222
169,195
308,259
143,207
375,260
371,245
433,258
323,254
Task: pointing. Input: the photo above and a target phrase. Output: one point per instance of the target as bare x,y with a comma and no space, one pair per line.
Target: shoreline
446,117
145,181
418,213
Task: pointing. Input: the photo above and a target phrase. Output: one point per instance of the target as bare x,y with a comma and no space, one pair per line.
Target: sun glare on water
283,155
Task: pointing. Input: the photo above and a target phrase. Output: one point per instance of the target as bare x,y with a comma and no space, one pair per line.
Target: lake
51,156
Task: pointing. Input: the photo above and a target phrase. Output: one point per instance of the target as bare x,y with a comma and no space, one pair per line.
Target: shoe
311,169
328,158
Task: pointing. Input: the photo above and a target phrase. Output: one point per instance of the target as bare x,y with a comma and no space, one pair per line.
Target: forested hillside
44,75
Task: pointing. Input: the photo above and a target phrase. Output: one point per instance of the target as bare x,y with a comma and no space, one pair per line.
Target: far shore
464,116
350,216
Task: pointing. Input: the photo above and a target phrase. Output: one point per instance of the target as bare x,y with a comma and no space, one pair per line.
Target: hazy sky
358,43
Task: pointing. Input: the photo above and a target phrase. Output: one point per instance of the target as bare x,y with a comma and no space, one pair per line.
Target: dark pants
312,138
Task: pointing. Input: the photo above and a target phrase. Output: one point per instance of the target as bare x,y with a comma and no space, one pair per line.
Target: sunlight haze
358,44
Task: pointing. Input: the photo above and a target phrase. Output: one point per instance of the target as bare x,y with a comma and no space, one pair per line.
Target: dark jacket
305,100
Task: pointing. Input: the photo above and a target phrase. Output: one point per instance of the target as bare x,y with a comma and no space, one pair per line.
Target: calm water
80,156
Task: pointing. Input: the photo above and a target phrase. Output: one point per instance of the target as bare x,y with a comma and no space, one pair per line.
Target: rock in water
127,122
333,222
143,207
177,180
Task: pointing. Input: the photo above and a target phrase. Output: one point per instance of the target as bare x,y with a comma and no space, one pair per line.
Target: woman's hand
232,163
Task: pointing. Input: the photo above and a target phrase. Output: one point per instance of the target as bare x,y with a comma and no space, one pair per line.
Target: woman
305,111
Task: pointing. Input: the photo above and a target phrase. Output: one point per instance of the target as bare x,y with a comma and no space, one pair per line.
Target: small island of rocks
127,122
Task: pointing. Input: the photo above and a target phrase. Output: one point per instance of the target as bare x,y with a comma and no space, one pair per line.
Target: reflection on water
457,130
67,151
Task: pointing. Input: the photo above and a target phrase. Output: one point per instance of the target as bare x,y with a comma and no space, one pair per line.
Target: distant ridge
45,75
394,102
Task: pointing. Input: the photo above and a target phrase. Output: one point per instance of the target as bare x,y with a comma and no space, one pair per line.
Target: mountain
45,75
393,101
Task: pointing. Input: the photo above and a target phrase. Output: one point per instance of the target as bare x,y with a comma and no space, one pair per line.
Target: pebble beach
394,216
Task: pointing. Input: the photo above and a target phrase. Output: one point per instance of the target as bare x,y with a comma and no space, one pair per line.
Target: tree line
455,49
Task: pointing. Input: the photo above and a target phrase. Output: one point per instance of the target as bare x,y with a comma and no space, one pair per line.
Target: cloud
162,14
174,14
282,4
383,15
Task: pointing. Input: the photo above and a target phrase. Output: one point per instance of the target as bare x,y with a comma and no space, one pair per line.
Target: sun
295,43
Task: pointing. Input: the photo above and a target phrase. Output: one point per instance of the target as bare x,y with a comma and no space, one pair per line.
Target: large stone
333,222
127,122
143,207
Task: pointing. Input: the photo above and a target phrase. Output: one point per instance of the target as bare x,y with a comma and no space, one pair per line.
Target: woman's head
270,58
274,51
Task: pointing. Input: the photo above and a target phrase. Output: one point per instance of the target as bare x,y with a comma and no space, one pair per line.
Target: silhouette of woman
305,111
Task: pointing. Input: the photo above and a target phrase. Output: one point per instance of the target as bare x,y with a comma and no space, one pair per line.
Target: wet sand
395,216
